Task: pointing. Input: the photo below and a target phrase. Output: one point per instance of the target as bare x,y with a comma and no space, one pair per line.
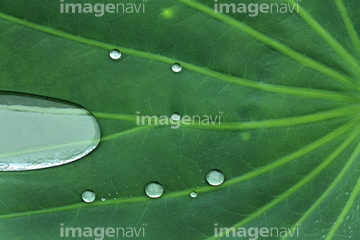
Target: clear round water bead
176,67
115,54
215,177
154,190
88,196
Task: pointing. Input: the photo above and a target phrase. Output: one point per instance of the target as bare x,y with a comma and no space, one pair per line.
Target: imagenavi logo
253,233
100,8
254,9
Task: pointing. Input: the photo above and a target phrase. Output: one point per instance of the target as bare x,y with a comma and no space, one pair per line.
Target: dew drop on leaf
88,196
175,117
193,194
115,54
103,199
154,190
215,177
176,67
39,132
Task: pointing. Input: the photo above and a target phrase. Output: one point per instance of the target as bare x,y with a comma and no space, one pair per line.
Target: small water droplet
154,190
175,117
88,196
215,177
176,67
193,194
115,54
39,132
103,199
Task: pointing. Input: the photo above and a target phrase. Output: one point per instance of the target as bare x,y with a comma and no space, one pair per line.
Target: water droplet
154,190
175,117
176,67
215,177
115,54
88,196
103,199
39,132
193,194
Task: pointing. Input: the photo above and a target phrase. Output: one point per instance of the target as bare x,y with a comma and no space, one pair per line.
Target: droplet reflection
38,132
88,196
176,67
175,117
154,190
215,177
115,54
193,194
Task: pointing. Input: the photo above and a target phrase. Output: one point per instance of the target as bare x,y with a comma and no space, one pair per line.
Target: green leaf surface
285,85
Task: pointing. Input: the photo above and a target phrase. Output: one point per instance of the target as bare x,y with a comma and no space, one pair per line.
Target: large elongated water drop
38,132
